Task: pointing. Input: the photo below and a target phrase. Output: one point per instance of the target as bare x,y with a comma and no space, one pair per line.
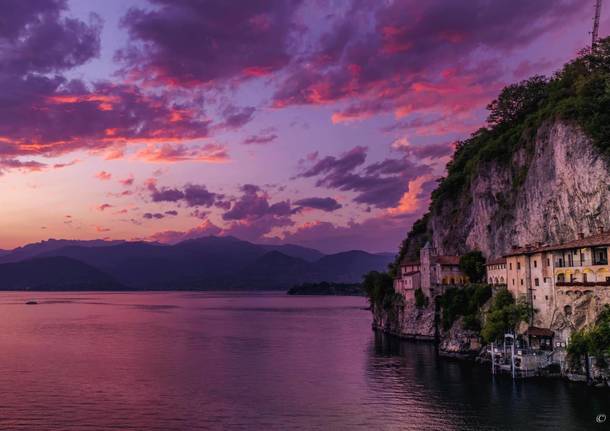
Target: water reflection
183,361
433,393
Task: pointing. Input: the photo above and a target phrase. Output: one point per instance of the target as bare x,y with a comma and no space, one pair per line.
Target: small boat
31,302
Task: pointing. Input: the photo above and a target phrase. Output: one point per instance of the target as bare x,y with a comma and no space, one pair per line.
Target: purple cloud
151,216
260,139
324,204
193,42
408,55
235,117
192,194
381,184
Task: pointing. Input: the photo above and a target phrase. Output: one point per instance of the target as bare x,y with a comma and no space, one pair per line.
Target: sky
324,123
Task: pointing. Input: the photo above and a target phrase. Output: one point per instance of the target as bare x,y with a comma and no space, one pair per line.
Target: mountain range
206,263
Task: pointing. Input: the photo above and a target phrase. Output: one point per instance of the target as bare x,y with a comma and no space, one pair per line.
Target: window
521,282
546,297
584,277
537,282
534,296
535,263
548,262
510,266
518,266
514,281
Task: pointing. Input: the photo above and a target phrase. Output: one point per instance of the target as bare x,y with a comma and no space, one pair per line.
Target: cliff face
406,320
552,189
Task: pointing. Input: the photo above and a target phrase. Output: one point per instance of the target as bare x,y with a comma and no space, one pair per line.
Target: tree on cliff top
473,265
379,288
517,100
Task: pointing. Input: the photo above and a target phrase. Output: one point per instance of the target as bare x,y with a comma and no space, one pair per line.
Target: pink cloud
103,176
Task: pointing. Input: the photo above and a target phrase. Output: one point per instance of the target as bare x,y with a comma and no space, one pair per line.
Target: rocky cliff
553,188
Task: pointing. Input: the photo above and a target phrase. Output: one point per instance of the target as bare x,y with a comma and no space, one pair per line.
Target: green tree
379,288
465,302
594,340
421,300
517,100
473,265
504,315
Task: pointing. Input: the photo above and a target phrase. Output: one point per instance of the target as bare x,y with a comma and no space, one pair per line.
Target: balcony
578,263
582,283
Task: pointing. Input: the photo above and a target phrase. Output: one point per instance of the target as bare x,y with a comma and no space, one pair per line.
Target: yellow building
432,274
496,272
554,279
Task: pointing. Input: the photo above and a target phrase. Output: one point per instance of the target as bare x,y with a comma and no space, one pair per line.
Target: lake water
181,361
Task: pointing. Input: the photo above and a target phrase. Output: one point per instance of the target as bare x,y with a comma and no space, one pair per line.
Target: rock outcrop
406,321
553,189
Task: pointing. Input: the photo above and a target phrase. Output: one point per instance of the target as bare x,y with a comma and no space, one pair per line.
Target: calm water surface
181,361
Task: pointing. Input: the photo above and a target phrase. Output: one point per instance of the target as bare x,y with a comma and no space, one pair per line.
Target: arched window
561,278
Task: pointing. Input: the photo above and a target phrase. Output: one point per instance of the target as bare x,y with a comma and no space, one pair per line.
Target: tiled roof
539,332
406,262
591,241
411,273
446,260
498,261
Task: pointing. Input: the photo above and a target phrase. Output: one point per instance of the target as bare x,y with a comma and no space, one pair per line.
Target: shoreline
476,359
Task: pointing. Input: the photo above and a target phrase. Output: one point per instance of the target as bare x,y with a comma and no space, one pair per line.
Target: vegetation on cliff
379,288
473,265
593,341
504,315
580,93
410,246
464,302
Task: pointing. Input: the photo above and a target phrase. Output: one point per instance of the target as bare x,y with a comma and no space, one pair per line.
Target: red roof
591,241
409,263
446,260
498,261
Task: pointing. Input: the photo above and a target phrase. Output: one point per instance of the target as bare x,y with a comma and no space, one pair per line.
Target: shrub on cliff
421,300
473,265
463,302
379,288
593,341
504,315
415,240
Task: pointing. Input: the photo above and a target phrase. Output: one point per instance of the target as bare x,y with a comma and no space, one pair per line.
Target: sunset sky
317,122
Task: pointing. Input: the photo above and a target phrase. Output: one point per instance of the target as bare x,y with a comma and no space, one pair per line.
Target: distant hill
308,254
349,266
54,273
209,263
35,249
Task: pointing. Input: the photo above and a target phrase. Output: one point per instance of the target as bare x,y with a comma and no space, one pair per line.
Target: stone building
496,272
432,274
566,284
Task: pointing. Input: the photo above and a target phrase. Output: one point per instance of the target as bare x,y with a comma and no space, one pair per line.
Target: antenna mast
595,33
